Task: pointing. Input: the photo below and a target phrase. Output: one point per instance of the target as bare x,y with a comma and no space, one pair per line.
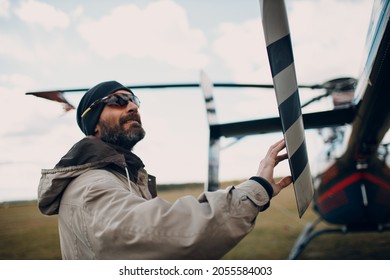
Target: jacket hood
89,153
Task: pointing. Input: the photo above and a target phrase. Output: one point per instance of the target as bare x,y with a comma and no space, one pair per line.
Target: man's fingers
282,157
277,143
274,149
280,145
285,182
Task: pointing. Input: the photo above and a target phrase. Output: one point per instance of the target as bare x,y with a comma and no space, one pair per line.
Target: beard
119,135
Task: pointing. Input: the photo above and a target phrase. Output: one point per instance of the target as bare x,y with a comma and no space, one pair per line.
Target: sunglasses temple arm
85,112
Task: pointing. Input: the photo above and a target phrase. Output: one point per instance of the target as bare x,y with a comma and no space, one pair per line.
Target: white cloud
34,135
45,15
160,31
51,51
16,81
78,11
13,47
241,47
331,47
4,8
17,110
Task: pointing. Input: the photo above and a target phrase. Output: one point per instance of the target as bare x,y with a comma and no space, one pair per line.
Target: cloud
16,80
160,31
13,47
4,8
32,46
18,113
34,135
329,48
45,15
43,56
78,11
241,47
332,46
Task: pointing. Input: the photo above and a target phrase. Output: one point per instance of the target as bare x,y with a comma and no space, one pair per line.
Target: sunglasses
118,100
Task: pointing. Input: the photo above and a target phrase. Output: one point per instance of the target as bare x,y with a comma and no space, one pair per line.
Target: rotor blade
214,143
180,85
280,55
336,117
207,89
56,95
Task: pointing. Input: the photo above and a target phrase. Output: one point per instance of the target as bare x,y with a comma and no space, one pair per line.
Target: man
107,203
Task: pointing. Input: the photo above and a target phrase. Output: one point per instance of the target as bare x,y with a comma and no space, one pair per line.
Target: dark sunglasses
119,100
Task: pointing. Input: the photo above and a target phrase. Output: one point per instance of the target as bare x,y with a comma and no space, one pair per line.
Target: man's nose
131,107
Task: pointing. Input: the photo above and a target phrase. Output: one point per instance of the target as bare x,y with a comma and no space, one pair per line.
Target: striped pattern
207,88
280,55
214,143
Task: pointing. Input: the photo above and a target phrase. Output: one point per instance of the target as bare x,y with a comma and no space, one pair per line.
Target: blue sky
48,45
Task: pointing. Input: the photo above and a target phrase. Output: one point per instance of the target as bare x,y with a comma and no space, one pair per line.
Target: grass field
26,234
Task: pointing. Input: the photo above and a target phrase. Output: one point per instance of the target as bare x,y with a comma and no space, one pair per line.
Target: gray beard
121,137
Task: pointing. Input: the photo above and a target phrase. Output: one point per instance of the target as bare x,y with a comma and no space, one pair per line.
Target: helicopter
351,191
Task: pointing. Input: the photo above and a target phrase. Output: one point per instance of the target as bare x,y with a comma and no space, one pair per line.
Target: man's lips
131,120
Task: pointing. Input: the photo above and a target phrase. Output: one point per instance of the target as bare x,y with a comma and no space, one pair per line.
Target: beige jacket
103,215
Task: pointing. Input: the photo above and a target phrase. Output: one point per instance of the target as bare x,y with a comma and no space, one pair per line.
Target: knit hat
88,123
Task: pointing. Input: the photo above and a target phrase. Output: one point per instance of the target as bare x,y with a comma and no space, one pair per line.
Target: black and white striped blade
214,142
280,55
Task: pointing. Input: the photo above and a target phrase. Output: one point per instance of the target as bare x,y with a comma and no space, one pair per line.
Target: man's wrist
266,185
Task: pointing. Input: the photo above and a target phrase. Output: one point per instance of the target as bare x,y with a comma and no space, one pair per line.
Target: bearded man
107,203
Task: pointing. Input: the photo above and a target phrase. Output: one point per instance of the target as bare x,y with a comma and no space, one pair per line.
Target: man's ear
97,130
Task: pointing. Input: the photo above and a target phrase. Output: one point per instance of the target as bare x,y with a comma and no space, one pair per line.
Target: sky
48,45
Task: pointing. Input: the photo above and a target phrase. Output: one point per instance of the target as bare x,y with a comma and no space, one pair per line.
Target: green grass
26,234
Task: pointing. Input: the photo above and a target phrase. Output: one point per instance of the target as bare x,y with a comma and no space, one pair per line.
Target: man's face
120,125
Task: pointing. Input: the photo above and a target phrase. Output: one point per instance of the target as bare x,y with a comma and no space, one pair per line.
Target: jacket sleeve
122,225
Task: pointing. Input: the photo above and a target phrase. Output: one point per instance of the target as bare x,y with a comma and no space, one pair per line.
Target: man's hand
267,165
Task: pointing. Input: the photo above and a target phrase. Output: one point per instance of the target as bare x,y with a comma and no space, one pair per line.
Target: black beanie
88,123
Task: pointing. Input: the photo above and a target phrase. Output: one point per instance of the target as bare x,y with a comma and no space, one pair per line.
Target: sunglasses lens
122,100
114,100
135,100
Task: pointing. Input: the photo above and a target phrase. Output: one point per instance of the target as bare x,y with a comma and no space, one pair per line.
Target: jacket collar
92,150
